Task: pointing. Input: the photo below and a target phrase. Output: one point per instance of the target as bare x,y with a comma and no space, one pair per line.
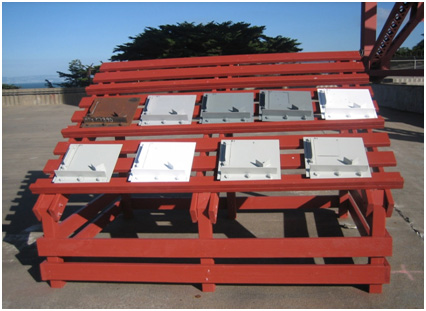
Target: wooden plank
219,274
226,71
286,142
224,83
382,180
217,248
198,129
224,60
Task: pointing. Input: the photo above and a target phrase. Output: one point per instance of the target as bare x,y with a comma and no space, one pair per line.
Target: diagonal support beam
416,16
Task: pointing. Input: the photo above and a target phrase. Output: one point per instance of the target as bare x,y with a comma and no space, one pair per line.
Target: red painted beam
227,71
224,60
219,274
212,84
218,248
195,128
286,142
198,184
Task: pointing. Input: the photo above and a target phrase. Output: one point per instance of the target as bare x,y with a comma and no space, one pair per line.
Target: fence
38,97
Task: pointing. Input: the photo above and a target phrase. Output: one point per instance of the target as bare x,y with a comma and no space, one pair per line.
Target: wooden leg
378,228
205,231
51,230
343,204
232,205
126,206
375,288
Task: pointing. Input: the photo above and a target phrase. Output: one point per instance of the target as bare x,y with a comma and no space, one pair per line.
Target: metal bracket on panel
335,157
111,111
168,109
227,108
249,160
344,104
285,106
163,162
88,163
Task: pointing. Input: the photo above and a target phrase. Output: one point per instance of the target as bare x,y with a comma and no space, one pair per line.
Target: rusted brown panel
114,111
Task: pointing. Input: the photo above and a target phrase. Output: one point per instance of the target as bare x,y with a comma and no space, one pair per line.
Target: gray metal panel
227,108
249,160
285,105
335,157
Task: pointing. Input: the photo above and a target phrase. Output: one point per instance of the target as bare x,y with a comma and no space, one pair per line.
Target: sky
40,38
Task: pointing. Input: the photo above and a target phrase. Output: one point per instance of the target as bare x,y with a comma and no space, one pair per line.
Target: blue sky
42,38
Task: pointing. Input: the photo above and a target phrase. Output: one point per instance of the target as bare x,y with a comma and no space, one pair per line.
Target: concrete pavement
29,137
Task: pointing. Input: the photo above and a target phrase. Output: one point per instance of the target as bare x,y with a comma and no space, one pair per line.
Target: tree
187,39
417,51
80,75
6,86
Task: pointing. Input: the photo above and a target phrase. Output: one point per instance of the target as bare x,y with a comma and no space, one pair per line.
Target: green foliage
187,39
416,51
5,86
80,75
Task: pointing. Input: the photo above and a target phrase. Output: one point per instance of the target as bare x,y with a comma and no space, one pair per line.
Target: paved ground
31,133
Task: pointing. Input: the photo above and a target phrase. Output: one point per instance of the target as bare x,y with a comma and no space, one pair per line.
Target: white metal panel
285,105
168,110
88,163
227,108
249,160
163,162
346,104
335,157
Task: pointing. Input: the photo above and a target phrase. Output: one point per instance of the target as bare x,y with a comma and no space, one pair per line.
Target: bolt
247,175
268,176
337,173
358,173
225,176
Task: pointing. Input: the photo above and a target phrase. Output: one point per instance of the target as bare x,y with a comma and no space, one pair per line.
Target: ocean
35,85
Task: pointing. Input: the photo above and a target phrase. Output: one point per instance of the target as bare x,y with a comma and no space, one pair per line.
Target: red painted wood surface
368,200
